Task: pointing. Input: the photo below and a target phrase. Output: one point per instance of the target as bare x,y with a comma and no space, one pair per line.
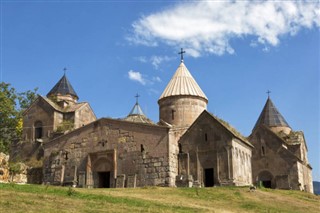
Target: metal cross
137,97
181,53
268,92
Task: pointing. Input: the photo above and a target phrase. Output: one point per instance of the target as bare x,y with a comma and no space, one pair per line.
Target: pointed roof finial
181,53
64,70
137,97
63,87
268,92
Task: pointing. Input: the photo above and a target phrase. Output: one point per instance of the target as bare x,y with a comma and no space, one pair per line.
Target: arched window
38,130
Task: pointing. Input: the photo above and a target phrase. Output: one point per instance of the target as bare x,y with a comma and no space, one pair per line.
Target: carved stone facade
279,159
278,164
214,154
111,153
188,147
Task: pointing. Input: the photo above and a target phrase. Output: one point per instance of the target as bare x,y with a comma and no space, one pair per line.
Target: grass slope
37,198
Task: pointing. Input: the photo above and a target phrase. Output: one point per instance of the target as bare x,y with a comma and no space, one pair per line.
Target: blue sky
115,49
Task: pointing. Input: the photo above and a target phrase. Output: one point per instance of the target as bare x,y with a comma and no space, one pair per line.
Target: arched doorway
102,169
266,179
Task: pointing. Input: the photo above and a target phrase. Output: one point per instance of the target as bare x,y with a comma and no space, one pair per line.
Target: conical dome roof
136,110
137,115
63,87
271,117
182,83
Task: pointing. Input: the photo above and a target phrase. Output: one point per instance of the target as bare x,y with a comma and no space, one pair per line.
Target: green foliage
65,126
44,198
11,108
71,191
14,168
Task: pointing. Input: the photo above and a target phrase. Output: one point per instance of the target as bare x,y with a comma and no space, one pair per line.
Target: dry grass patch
35,198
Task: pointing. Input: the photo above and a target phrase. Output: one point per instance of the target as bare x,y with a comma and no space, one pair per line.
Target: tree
12,104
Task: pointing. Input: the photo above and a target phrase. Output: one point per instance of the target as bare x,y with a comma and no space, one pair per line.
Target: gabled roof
182,83
63,87
224,124
271,117
283,141
71,108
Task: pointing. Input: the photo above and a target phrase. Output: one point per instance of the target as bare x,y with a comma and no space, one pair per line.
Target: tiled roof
182,83
271,117
63,87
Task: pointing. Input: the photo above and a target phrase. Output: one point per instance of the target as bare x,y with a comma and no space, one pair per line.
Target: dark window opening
38,130
206,137
66,155
262,151
208,177
104,179
172,114
142,148
180,148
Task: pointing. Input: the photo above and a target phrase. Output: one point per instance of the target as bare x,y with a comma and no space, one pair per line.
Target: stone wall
210,147
84,116
181,111
242,168
136,150
274,157
40,110
4,168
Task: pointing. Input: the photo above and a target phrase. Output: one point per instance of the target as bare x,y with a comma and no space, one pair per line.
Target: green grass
37,198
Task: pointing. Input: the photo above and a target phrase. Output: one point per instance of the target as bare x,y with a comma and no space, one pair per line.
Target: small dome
137,115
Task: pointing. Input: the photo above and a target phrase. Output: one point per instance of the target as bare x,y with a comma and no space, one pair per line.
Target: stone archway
101,172
101,169
265,178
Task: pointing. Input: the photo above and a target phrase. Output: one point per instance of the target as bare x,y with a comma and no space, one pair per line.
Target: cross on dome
181,53
137,97
268,92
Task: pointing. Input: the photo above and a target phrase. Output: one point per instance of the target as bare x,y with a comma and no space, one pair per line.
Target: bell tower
182,101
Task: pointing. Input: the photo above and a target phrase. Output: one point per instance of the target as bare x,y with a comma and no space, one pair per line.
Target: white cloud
156,79
142,59
157,60
136,76
207,26
154,60
142,79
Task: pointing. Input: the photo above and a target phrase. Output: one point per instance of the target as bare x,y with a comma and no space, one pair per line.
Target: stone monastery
188,147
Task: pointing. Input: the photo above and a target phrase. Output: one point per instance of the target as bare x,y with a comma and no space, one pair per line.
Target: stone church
188,146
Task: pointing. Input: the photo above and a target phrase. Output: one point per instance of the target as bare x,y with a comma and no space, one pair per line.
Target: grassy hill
37,198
